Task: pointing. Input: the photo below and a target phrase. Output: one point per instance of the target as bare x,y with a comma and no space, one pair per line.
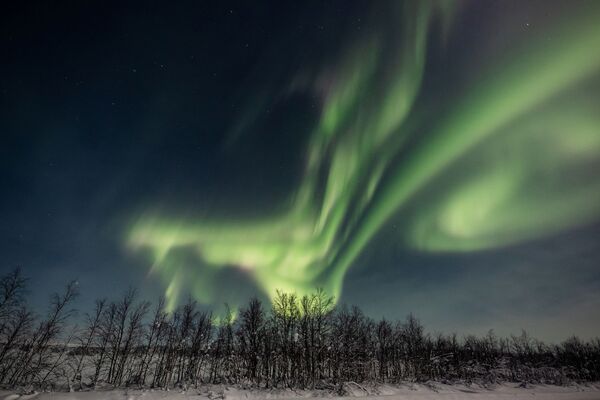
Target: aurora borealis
293,147
362,127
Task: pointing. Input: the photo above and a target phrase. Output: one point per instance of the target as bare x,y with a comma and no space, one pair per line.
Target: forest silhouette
295,342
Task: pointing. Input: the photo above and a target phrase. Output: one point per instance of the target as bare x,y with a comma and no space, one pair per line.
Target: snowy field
403,392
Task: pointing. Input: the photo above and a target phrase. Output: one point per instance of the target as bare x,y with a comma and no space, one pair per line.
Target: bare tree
250,333
93,325
35,358
122,310
157,325
16,332
203,331
103,339
131,340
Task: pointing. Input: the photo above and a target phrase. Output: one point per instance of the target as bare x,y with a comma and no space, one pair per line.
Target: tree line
295,342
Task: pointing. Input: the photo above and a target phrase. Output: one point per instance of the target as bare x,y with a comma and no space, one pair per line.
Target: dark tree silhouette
298,342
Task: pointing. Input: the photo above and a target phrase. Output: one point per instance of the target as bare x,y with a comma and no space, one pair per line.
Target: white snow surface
432,391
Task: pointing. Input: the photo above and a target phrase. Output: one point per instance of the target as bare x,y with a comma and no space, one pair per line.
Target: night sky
439,158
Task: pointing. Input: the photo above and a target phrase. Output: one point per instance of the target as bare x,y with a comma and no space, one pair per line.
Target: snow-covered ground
385,392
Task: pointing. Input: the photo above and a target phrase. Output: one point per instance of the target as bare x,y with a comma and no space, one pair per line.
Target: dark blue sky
108,110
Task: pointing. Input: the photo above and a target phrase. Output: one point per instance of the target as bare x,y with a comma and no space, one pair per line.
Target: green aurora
504,162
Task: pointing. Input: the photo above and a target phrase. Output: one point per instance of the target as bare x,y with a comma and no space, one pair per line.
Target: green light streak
512,194
361,131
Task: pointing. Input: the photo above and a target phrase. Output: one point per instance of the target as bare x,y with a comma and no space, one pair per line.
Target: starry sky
434,157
